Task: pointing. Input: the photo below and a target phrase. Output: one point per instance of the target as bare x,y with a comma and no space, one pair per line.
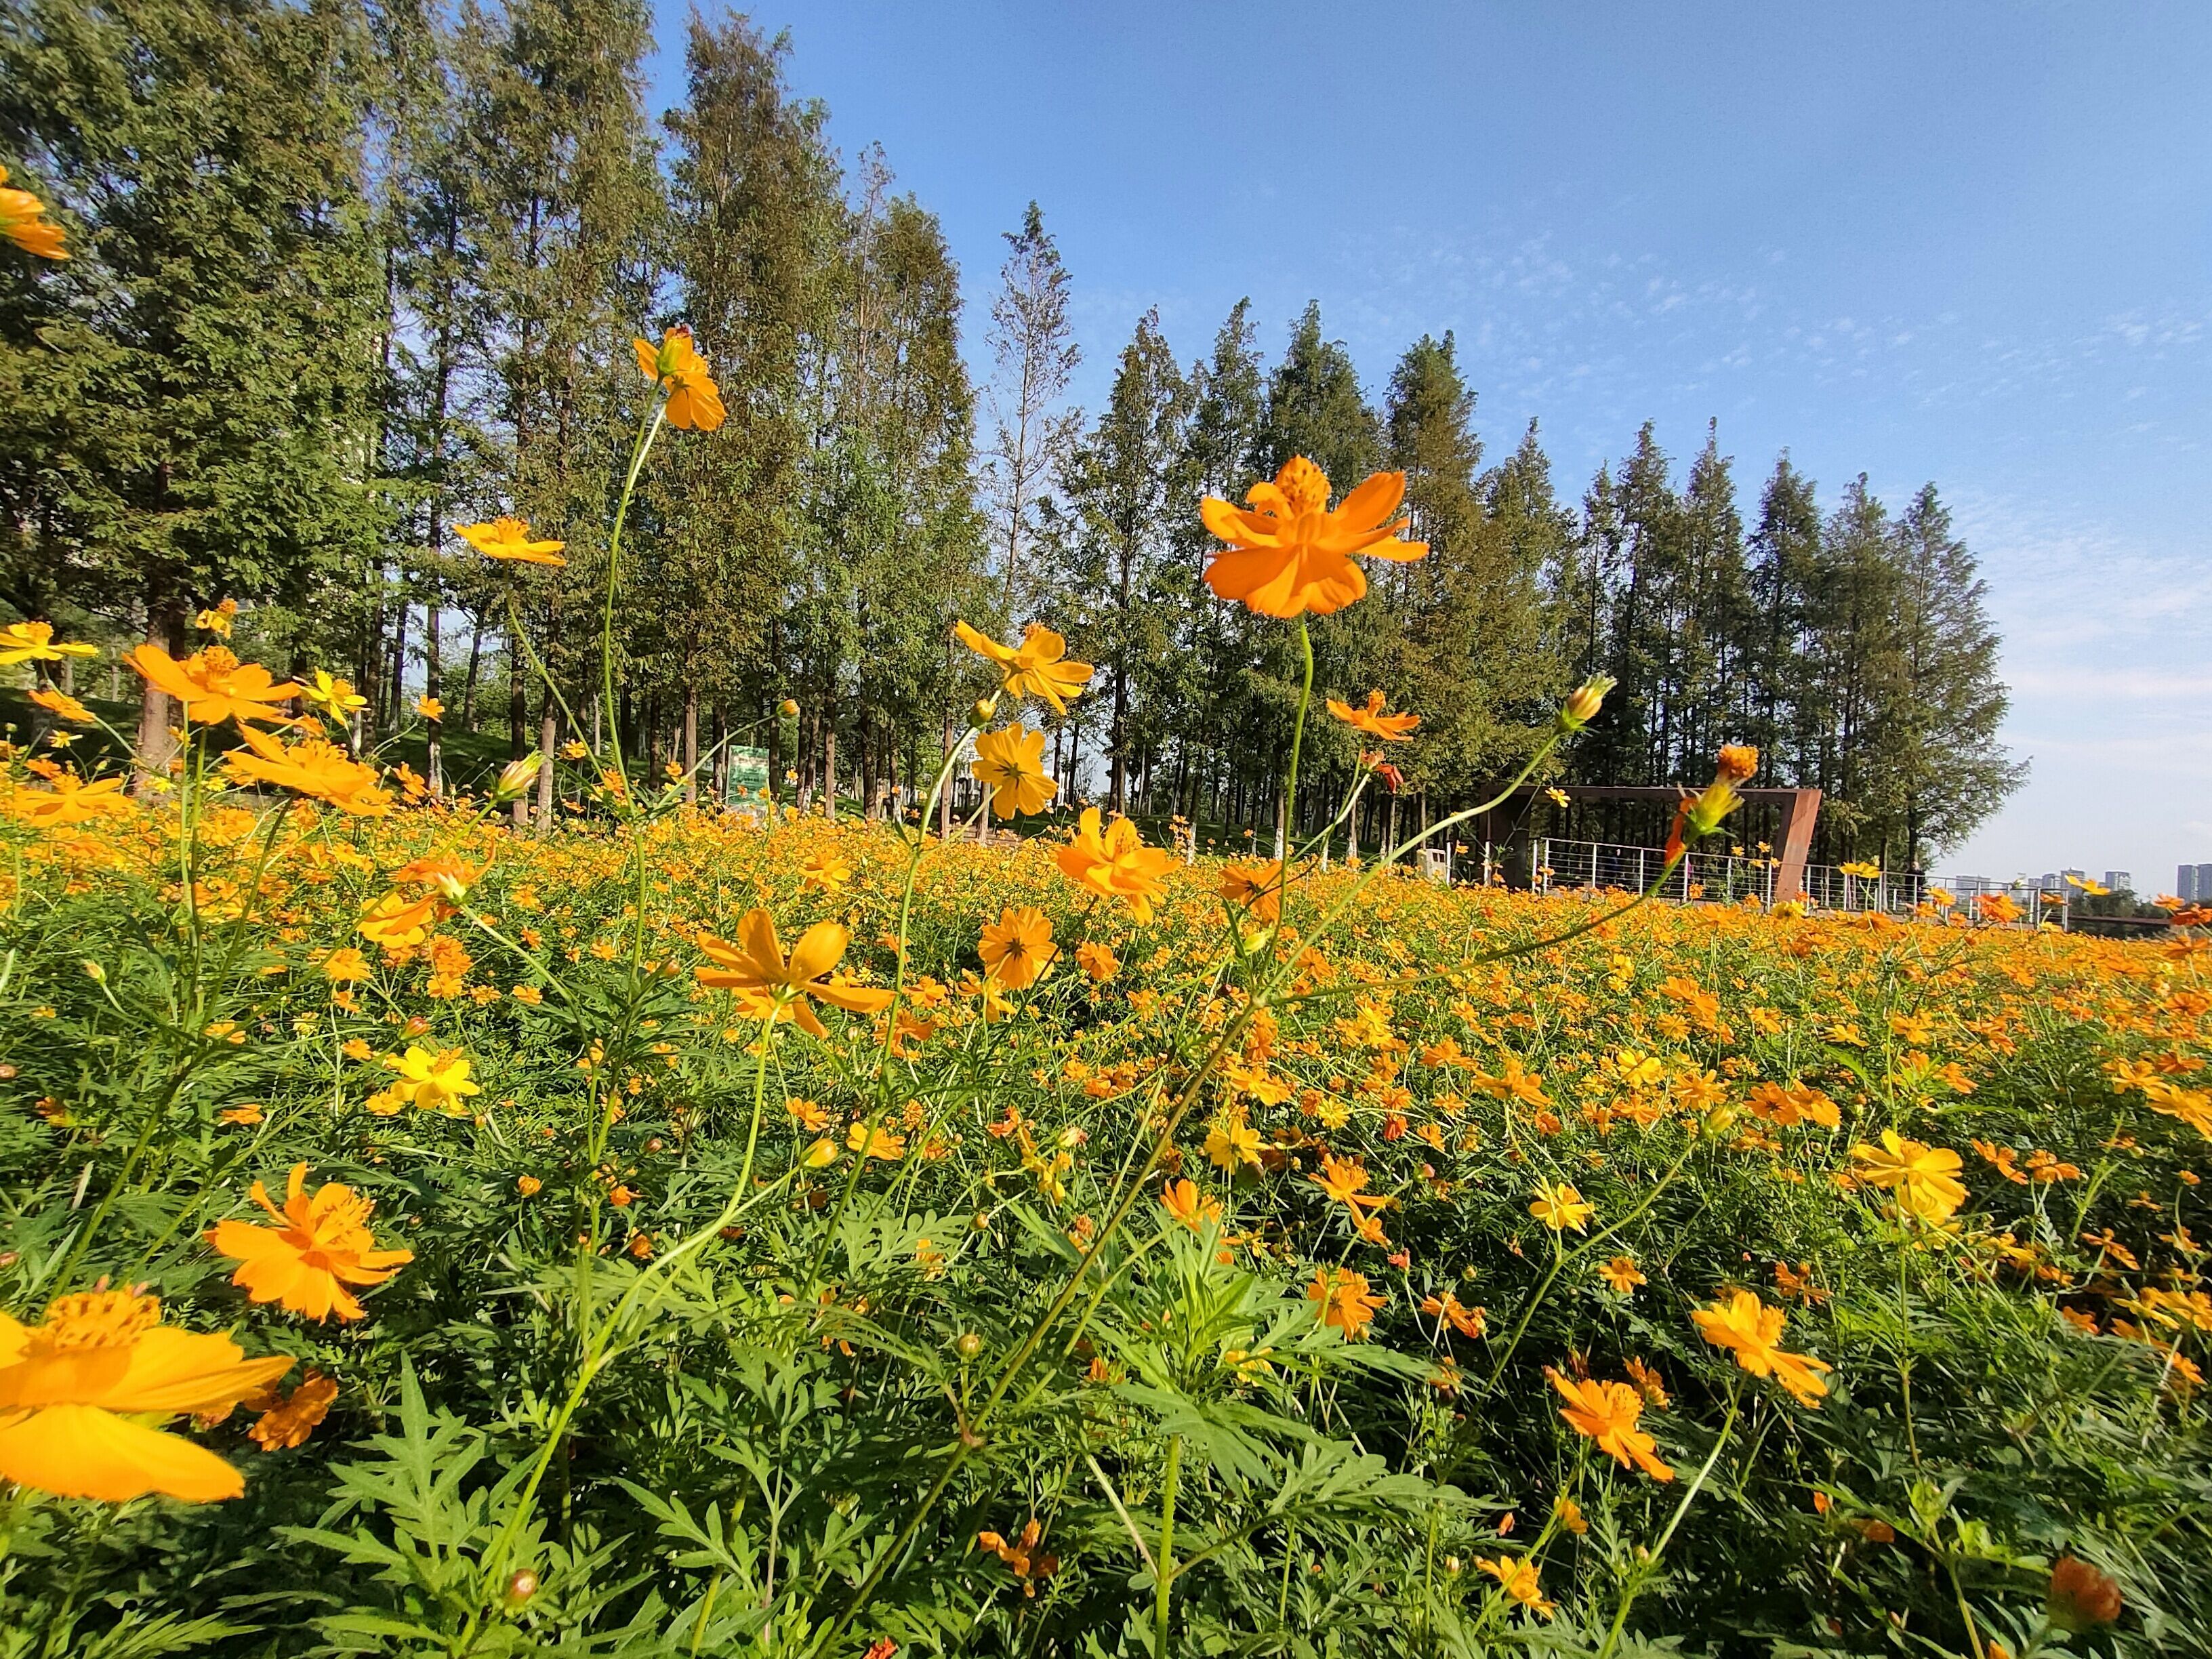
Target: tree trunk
165,627
517,723
469,686
830,770
434,674
691,744
548,739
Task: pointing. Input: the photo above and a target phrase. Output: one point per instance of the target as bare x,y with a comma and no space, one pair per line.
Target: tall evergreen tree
1033,348
189,398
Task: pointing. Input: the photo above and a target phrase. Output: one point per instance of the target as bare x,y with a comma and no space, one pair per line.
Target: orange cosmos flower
1257,888
1344,1180
1034,668
396,921
61,703
1021,1557
1370,719
1343,1299
1924,1178
2080,1596
34,641
770,988
1751,1329
1096,960
1018,948
72,800
508,541
1010,763
1622,1274
1608,1413
1288,554
1519,1580
1183,1201
23,223
1469,1322
1116,864
80,1393
694,400
312,767
286,1422
320,1245
214,686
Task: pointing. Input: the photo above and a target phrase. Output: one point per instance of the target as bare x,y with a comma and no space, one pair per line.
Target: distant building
2185,882
2203,882
2119,881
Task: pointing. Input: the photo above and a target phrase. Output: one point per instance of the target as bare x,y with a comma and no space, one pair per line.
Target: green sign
748,768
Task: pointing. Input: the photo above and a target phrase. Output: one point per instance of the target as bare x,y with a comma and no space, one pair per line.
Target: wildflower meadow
691,1230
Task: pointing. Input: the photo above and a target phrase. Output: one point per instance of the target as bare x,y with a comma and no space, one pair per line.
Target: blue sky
1968,243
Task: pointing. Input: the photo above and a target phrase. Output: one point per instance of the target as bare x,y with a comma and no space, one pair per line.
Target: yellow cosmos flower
320,1246
334,698
286,1422
768,987
1288,554
1519,1580
1116,863
312,767
1750,1328
1035,668
1018,948
22,222
1924,1178
508,541
1621,1273
81,1394
695,402
1370,719
1255,889
1558,1205
396,921
1188,1206
214,686
62,704
34,641
827,871
1010,763
434,1081
71,800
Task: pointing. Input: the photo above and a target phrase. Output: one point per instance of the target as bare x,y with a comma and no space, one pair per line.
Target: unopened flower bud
788,708
985,708
1737,761
516,777
95,972
520,1589
969,1345
1584,701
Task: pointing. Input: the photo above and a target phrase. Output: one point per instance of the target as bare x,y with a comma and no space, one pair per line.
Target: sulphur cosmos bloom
1114,863
1288,554
694,402
1747,1327
1035,668
1018,948
320,1247
508,540
1369,718
770,987
83,1391
214,686
1608,1413
1010,763
34,641
22,222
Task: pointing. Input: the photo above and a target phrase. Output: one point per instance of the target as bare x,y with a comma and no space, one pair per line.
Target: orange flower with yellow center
62,704
1608,1413
22,222
1750,1328
694,402
1253,888
1343,1299
34,641
1035,668
214,686
396,921
1369,718
508,541
320,1245
312,767
1184,1203
1289,554
1010,763
1116,863
71,800
78,1389
1018,948
1519,1580
770,988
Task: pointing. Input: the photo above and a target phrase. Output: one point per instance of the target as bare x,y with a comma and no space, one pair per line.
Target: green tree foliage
188,401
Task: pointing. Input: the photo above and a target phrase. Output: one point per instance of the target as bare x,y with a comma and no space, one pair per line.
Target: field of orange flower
752,1234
